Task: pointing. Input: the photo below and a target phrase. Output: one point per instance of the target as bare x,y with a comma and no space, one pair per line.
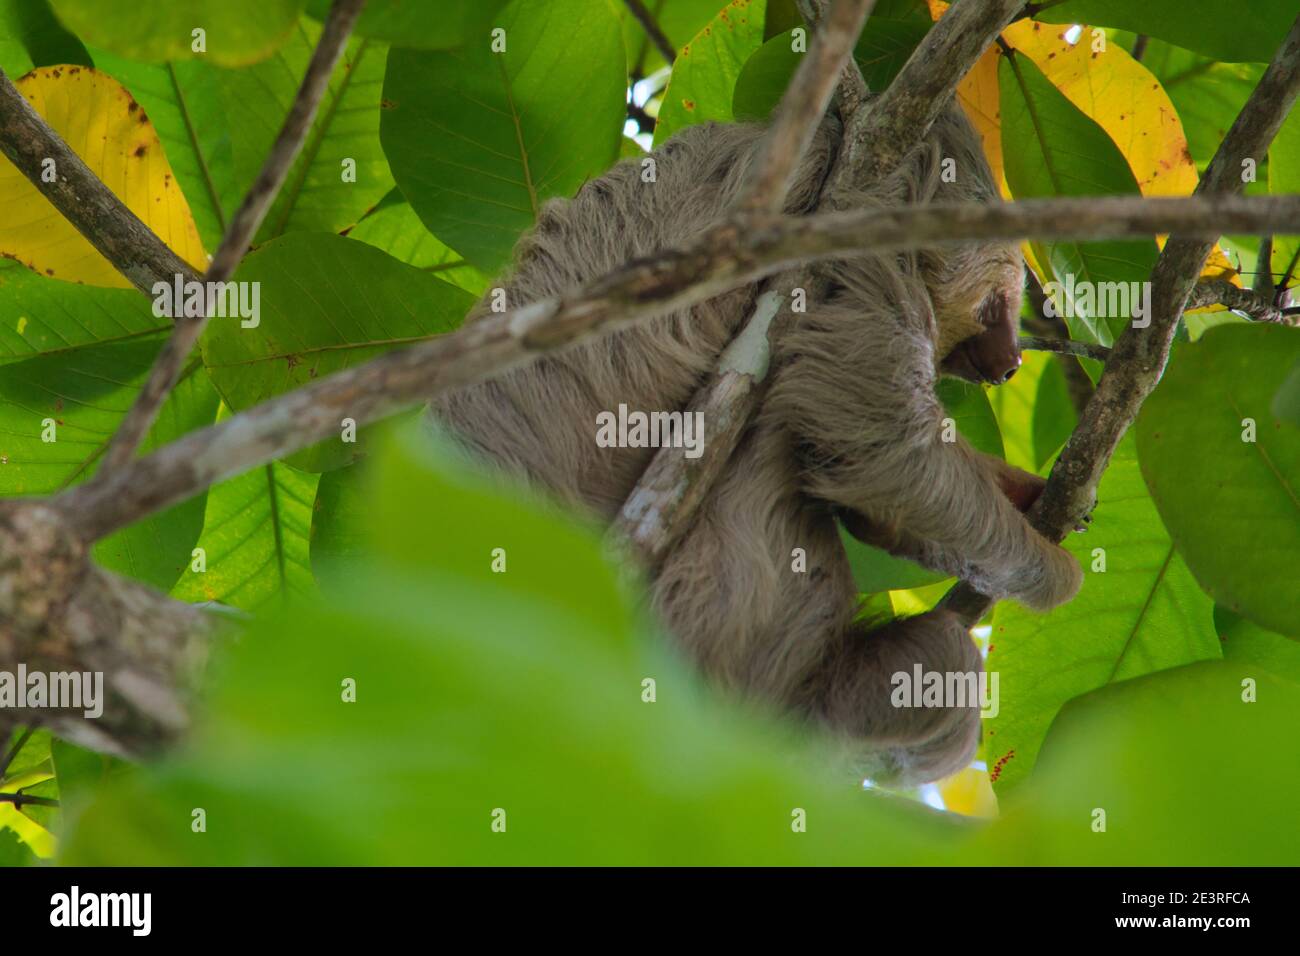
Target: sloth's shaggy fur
850,427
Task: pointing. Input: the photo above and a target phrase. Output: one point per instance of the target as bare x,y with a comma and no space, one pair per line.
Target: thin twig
243,227
22,799
652,30
1034,343
1222,292
1139,355
733,254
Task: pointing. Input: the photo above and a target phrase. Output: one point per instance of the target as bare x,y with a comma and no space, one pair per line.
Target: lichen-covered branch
735,253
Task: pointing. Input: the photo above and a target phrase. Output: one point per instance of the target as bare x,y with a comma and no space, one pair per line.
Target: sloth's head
975,289
976,293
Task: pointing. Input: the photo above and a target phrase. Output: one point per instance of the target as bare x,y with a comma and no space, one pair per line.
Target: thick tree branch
243,227
1139,356
735,253
81,198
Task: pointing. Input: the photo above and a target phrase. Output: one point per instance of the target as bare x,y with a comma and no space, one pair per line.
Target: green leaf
43,316
339,524
255,540
397,230
237,32
80,771
1246,643
157,549
183,101
968,406
327,303
704,77
1143,613
478,140
1202,25
1185,772
1051,148
891,34
1034,412
476,691
30,26
1231,504
407,24
86,392
315,195
1286,403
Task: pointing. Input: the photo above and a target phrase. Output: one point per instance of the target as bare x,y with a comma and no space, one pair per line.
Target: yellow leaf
103,125
1117,92
969,792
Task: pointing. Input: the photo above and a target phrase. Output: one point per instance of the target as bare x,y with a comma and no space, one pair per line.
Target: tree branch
243,227
1034,343
803,105
652,30
81,198
739,251
1258,306
1139,356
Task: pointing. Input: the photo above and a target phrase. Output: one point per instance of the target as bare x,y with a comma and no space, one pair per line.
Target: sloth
850,433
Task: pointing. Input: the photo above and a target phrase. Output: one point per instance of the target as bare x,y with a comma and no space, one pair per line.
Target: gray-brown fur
850,426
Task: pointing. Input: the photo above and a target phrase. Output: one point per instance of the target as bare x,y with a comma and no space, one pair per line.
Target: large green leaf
86,391
397,230
183,101
238,32
1232,505
1143,613
1184,770
476,690
479,140
315,194
1051,148
404,23
704,77
1207,26
327,303
255,540
43,316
